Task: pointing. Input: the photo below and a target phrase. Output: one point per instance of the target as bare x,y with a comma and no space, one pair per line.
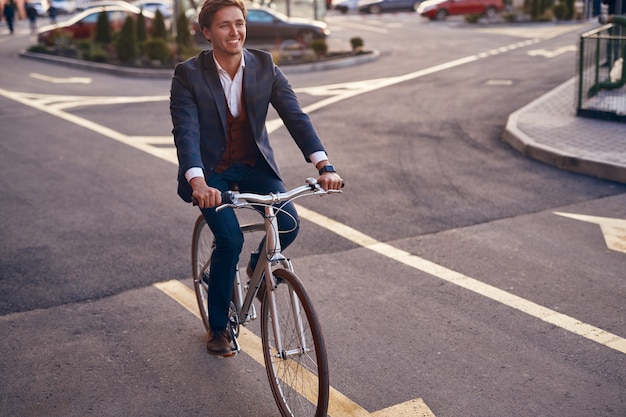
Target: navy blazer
198,109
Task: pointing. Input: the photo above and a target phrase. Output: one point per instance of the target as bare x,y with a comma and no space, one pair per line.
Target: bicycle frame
273,258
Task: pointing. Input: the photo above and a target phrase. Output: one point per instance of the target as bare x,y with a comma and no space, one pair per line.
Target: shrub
320,47
96,53
103,29
560,11
509,17
38,48
126,44
158,26
547,16
356,43
472,17
157,49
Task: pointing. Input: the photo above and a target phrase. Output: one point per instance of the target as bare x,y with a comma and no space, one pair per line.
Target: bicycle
293,345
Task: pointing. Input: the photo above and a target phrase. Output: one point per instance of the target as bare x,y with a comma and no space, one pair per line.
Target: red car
83,25
440,9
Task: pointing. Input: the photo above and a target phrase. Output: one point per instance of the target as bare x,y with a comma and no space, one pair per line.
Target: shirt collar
242,65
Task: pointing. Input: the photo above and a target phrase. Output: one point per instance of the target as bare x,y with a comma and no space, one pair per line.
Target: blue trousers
259,179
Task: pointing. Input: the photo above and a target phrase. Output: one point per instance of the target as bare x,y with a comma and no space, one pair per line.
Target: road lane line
339,405
543,313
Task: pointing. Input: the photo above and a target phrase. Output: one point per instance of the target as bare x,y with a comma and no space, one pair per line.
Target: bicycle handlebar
236,199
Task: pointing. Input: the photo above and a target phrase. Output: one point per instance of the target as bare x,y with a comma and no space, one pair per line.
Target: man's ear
206,33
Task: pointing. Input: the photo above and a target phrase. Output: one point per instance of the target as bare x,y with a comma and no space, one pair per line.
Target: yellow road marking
550,316
339,405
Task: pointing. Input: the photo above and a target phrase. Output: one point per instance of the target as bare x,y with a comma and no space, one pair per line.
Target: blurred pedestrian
52,13
31,13
9,14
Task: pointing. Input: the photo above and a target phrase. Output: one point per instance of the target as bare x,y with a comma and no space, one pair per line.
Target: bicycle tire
300,382
201,249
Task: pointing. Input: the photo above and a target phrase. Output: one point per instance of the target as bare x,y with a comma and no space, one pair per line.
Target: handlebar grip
227,197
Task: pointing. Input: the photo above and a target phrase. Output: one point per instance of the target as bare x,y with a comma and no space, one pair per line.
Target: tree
183,36
158,26
126,45
103,29
142,32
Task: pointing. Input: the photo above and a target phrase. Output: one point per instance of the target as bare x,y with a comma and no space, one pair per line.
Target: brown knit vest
240,145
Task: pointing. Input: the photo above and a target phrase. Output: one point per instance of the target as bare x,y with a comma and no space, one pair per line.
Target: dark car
268,26
83,25
379,6
265,26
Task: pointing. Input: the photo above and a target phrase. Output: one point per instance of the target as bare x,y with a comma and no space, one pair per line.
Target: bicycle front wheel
298,372
202,246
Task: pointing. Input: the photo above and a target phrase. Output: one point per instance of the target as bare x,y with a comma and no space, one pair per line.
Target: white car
344,6
166,7
63,6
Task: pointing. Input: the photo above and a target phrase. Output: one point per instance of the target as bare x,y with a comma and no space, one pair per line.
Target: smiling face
227,32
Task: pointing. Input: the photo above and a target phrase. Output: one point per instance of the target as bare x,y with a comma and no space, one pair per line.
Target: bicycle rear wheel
298,374
202,246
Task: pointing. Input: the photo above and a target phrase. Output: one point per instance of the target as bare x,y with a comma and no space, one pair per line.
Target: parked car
166,7
268,27
63,6
344,6
440,9
379,6
83,25
103,3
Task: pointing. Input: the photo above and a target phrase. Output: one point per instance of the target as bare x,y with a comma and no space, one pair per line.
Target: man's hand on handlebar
203,195
330,181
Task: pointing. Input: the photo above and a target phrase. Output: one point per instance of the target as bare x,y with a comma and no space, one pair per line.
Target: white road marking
65,80
550,316
553,53
368,28
613,230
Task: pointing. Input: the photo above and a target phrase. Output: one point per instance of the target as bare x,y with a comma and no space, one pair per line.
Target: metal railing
602,73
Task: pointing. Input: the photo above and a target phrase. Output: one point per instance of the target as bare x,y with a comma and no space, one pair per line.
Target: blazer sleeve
297,122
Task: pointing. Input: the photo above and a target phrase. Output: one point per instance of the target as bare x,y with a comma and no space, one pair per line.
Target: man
219,102
31,13
9,15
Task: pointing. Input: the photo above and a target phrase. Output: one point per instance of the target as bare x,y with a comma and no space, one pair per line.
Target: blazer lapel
215,87
249,89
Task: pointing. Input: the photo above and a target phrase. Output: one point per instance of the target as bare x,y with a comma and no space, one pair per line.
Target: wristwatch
327,168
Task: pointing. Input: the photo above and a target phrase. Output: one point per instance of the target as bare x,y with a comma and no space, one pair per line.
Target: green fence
602,73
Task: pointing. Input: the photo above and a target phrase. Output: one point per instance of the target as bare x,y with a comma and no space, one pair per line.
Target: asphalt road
445,282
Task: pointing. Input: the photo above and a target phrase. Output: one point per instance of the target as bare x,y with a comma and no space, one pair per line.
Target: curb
168,72
559,158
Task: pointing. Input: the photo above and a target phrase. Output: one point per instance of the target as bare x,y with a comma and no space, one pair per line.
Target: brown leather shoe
218,343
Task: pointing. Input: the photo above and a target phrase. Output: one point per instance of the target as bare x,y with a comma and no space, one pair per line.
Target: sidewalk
548,130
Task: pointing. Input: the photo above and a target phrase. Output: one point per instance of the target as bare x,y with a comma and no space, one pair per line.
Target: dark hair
210,7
